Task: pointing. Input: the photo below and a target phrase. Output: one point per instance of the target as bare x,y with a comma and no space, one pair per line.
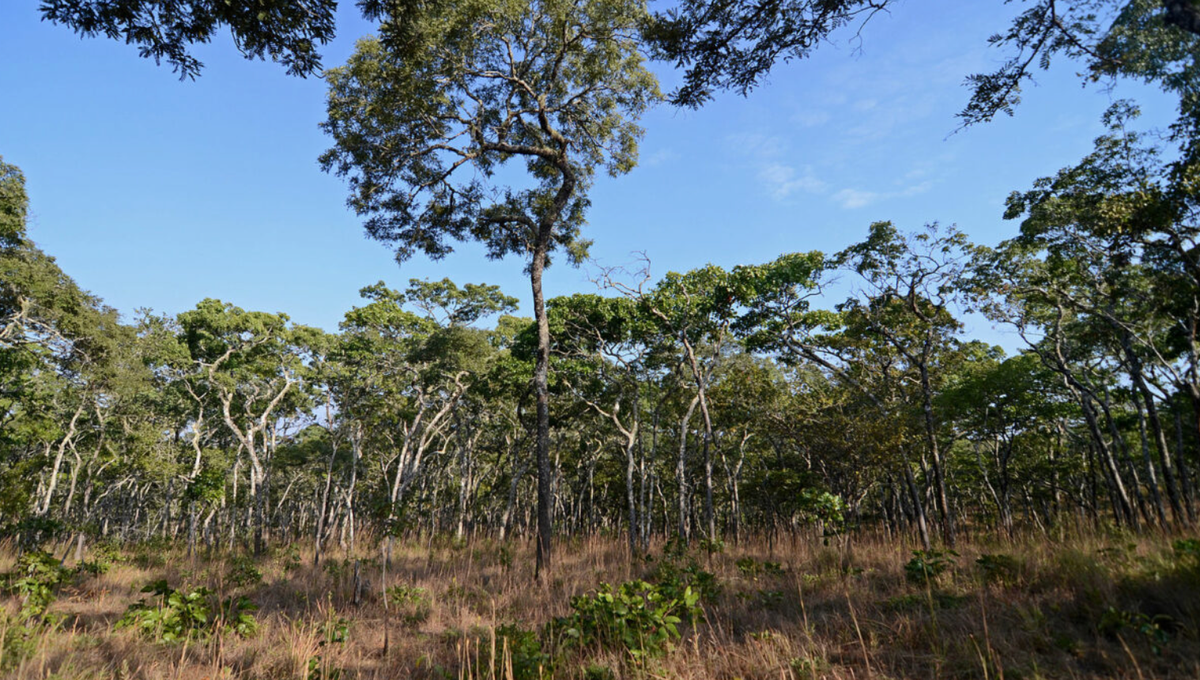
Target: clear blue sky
153,192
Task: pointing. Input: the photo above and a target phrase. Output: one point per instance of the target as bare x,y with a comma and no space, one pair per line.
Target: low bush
638,617
927,566
412,603
178,615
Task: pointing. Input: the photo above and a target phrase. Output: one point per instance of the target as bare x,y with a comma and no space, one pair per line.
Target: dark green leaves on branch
286,31
423,117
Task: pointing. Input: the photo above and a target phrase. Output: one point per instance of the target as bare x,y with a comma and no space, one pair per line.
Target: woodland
799,468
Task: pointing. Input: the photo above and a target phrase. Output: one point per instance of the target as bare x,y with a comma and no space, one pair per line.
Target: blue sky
157,193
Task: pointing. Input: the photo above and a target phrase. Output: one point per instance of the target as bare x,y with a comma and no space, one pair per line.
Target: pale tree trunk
541,389
52,483
1136,374
681,470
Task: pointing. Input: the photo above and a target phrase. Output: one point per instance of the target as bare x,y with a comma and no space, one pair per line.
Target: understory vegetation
1088,604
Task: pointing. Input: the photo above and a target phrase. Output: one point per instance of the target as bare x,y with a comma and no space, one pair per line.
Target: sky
157,193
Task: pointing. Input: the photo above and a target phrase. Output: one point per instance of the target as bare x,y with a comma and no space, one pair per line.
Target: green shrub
17,641
178,614
637,616
524,653
35,580
927,566
235,615
243,572
677,572
335,631
1155,630
175,616
413,604
1187,552
766,599
804,668
595,671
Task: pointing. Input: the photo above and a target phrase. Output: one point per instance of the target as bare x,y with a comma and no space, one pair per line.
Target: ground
1077,604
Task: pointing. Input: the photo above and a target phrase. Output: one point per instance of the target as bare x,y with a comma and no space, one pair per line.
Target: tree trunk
541,388
681,469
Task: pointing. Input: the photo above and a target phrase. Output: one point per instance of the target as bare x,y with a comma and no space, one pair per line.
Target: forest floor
1081,606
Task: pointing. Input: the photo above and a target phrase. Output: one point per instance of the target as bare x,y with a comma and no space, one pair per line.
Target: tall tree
424,116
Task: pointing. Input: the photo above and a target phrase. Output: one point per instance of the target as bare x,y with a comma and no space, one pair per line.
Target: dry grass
836,611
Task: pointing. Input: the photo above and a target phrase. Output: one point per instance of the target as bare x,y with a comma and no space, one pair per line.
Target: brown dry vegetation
844,610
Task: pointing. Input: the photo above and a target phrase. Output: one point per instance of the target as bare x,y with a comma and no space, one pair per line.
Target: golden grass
837,611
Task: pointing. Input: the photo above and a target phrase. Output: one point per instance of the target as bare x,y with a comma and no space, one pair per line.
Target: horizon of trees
702,405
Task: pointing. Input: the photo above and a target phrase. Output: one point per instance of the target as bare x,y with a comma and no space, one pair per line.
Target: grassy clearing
1079,607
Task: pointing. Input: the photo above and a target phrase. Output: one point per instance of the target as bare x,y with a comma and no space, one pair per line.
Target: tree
914,283
605,339
287,31
1105,264
733,45
451,89
250,364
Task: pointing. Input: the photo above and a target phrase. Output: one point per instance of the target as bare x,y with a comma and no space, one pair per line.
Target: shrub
637,616
412,602
178,614
243,572
235,615
35,580
175,616
1187,552
674,575
524,653
927,566
1155,630
335,631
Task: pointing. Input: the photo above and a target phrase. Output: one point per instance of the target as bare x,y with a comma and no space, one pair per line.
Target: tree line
817,393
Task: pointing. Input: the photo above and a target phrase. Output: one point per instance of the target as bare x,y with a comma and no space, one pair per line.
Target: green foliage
287,32
14,204
1155,630
420,125
1187,552
638,617
412,602
808,667
677,573
927,566
243,572
524,652
178,615
752,568
763,598
17,641
175,616
334,631
35,580
594,671
93,567
236,615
